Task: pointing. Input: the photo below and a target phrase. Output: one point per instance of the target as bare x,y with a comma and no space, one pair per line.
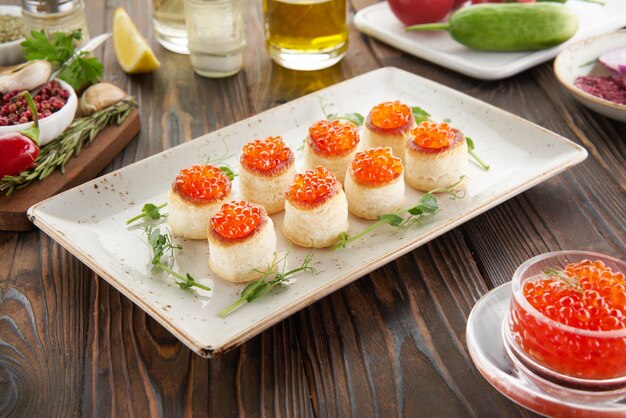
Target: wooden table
390,344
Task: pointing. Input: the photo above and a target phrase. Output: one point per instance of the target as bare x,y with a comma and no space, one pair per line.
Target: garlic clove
27,76
100,96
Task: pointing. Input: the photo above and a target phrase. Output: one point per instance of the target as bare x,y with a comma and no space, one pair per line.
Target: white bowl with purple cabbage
594,72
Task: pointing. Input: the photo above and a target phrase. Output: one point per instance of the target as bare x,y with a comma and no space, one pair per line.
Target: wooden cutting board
92,159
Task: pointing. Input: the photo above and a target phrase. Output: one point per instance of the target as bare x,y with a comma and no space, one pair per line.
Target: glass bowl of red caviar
567,320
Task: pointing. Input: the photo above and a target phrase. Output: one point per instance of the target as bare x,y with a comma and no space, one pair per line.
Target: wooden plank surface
88,164
390,344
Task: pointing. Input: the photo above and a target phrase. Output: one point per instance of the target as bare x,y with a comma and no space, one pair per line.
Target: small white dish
11,52
53,125
488,352
379,22
580,59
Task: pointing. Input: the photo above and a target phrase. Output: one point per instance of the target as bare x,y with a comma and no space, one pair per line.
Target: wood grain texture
391,344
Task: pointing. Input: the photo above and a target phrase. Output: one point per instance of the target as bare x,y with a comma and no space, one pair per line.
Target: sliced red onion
615,60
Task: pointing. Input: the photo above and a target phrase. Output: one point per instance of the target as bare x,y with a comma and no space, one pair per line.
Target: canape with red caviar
242,241
267,168
435,156
316,209
388,124
195,196
331,144
375,183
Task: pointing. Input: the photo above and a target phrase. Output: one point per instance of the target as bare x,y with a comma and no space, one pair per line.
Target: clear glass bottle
55,16
168,18
216,36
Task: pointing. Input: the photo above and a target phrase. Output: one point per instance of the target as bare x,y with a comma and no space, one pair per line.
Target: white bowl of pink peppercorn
57,106
581,60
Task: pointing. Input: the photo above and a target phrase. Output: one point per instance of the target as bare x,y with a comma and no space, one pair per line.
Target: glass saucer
486,347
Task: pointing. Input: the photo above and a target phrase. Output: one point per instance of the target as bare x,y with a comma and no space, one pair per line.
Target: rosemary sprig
161,245
270,279
427,205
57,153
149,210
560,275
470,150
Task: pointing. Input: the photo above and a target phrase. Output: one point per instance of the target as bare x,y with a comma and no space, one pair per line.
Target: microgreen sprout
470,149
270,278
149,210
420,114
427,205
220,162
161,246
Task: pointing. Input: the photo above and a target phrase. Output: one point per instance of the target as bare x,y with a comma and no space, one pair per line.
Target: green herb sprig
356,118
161,245
470,150
216,161
269,280
560,275
420,114
151,211
57,153
427,205
78,73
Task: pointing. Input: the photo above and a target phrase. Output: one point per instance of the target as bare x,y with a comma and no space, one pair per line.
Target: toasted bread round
243,259
368,202
318,226
430,168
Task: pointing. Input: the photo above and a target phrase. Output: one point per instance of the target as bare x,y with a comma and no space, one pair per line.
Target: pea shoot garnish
427,205
150,211
470,150
221,159
271,278
420,114
161,246
355,118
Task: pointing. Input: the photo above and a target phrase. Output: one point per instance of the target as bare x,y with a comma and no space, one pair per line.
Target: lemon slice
132,51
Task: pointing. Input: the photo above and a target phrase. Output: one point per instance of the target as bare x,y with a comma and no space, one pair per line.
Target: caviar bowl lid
581,59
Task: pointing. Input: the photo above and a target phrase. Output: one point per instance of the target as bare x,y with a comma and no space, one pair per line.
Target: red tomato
458,3
413,12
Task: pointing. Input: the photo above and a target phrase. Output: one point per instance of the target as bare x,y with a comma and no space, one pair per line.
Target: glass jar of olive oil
306,34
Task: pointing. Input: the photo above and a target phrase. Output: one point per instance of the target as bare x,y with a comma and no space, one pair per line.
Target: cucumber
509,27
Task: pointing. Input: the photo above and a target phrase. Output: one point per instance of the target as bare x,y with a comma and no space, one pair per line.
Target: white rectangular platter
90,220
438,47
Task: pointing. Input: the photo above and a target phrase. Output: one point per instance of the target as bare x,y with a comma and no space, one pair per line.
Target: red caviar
203,183
333,138
266,154
312,186
390,115
433,135
376,166
236,219
594,300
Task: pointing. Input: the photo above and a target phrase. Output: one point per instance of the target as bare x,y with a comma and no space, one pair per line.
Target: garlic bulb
100,96
26,76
